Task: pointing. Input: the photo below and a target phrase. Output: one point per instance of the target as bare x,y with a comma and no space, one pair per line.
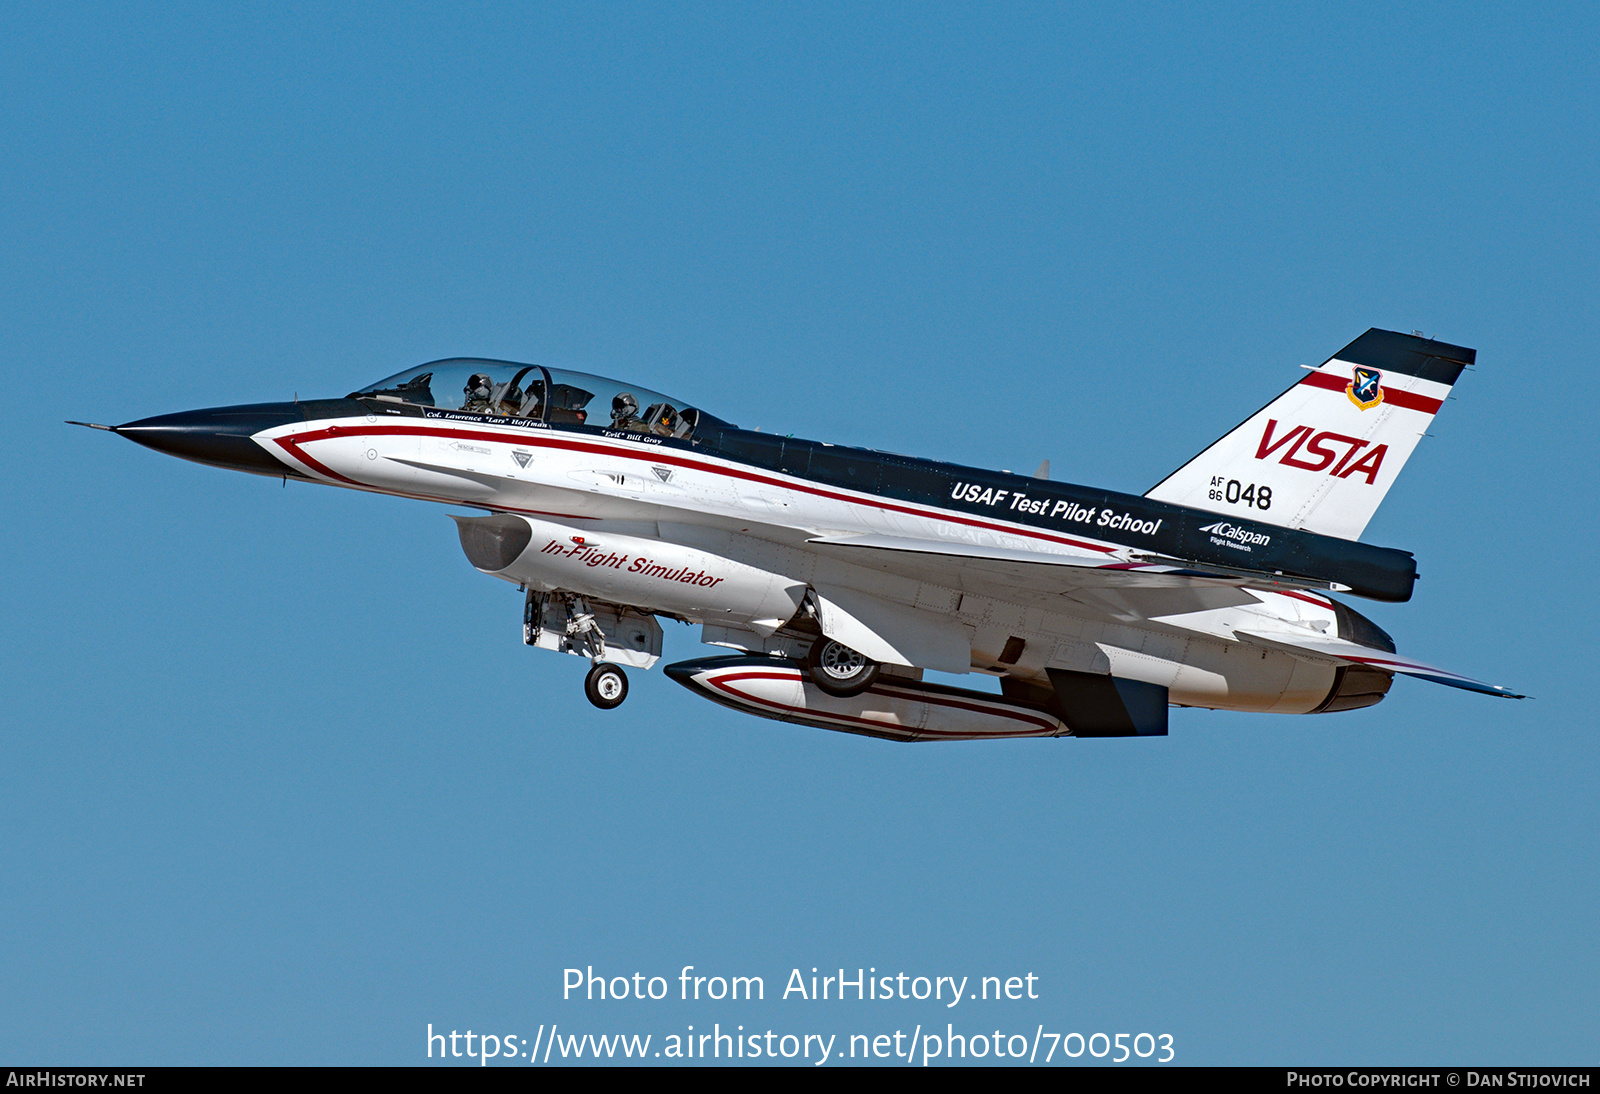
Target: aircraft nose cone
219,436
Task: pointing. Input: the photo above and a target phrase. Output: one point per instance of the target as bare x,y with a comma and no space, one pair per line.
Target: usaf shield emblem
1363,388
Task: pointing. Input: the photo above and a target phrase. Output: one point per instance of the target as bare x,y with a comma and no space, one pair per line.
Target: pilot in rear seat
479,388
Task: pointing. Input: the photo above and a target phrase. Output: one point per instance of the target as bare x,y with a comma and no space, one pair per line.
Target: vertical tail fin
1322,455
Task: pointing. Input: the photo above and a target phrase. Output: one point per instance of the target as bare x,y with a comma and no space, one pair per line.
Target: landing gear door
600,632
894,634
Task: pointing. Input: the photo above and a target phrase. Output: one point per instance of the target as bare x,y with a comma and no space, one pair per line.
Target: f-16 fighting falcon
839,575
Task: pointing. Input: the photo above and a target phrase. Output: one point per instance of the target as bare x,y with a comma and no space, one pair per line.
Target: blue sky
280,782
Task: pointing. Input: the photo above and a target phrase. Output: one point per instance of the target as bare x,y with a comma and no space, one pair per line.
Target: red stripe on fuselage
653,455
291,445
1404,399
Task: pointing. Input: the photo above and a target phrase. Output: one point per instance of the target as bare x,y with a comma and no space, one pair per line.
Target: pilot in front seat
625,412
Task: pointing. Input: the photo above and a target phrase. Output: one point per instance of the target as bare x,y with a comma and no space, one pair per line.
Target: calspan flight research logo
1363,388
1231,535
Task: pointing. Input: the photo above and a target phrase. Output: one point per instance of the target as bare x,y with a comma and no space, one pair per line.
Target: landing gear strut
567,623
606,685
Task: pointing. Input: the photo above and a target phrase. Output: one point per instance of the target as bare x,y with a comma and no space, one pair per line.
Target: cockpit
505,389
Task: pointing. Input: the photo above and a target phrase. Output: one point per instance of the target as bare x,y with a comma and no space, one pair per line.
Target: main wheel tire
606,686
839,670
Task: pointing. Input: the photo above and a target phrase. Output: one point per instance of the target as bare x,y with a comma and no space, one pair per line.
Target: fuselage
728,528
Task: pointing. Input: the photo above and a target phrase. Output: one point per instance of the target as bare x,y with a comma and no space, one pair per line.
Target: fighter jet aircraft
839,575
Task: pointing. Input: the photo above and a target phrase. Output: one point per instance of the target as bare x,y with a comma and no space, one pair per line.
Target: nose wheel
606,685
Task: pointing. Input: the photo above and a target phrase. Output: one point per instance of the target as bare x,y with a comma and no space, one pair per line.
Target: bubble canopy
506,389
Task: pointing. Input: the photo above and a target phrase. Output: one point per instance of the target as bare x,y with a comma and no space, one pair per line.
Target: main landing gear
839,670
606,685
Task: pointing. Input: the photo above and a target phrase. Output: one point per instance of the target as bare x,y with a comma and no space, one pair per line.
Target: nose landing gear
606,635
606,685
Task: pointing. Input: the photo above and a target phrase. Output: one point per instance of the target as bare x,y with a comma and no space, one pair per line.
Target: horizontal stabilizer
1338,651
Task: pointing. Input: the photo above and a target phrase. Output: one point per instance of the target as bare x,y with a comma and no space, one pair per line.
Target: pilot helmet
623,407
478,386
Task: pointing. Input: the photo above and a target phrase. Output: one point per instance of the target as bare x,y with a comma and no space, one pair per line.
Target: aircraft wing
1338,651
1032,575
1147,590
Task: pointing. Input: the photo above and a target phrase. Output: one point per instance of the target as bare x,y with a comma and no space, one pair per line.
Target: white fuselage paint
744,532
